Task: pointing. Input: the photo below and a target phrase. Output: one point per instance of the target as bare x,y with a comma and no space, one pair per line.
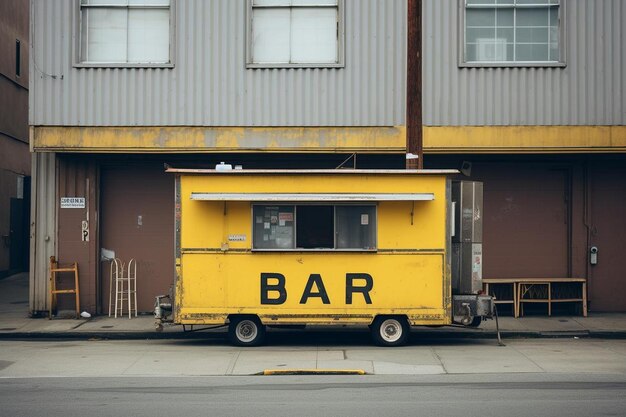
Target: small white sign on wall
236,238
72,202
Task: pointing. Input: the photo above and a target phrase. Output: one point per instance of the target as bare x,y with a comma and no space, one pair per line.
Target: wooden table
508,281
522,291
525,286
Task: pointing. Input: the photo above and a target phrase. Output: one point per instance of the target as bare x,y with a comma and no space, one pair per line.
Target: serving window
314,227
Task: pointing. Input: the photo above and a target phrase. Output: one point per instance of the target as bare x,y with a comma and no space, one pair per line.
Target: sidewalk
15,324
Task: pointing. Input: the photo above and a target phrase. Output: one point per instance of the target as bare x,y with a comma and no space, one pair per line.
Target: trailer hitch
467,317
162,311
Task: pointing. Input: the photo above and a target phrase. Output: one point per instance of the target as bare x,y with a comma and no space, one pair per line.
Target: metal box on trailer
467,237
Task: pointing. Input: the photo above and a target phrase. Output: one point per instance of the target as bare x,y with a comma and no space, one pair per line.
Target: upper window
506,32
314,226
295,33
125,32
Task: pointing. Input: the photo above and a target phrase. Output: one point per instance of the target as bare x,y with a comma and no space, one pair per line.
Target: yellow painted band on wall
437,139
524,139
316,371
186,139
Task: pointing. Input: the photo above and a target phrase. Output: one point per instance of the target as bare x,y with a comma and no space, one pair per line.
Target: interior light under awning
330,197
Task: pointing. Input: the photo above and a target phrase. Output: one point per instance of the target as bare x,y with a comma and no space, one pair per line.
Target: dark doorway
19,250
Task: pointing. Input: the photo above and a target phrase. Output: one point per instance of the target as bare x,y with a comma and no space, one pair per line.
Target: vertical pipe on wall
43,228
569,196
32,234
587,223
414,140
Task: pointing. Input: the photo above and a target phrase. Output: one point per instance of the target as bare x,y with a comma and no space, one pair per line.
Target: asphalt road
448,395
208,377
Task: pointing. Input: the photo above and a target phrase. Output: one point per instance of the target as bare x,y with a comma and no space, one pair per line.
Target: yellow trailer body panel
230,284
222,271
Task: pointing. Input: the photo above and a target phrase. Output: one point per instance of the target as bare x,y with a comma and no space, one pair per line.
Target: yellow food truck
258,248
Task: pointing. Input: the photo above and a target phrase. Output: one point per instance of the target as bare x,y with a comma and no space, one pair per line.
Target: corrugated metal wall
210,85
590,90
43,227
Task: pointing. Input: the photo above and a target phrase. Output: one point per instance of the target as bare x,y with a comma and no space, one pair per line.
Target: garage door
137,219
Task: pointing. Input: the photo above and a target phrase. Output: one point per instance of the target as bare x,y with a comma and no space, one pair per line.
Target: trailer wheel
390,330
246,331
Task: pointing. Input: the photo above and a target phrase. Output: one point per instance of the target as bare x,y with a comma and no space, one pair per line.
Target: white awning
332,197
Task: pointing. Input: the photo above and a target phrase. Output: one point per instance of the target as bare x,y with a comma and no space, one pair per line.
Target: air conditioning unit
491,49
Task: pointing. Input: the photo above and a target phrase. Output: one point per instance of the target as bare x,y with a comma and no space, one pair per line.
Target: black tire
246,331
390,330
476,321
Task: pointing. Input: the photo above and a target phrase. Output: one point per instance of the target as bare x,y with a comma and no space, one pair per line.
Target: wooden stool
54,269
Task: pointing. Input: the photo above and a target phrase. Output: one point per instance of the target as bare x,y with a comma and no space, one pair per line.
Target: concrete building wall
571,109
547,141
14,153
210,85
589,90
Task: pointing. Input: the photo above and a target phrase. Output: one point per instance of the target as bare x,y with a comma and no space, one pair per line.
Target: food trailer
258,248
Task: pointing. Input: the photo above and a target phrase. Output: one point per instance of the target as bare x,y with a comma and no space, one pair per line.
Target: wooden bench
539,290
512,282
525,293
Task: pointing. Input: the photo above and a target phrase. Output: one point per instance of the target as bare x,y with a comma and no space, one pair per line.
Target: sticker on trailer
285,217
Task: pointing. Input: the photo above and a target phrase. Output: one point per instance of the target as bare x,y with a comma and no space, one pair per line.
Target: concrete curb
416,336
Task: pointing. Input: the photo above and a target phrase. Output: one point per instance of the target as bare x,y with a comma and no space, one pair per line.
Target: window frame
561,63
77,50
250,64
295,232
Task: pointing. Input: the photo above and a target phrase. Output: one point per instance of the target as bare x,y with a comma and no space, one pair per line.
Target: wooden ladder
54,269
